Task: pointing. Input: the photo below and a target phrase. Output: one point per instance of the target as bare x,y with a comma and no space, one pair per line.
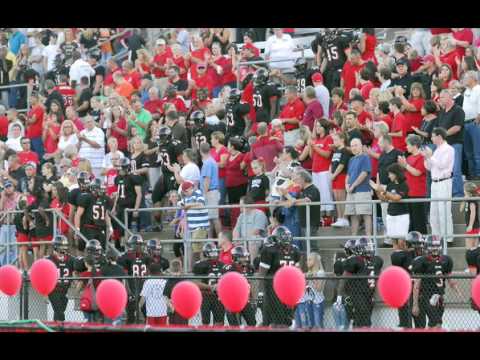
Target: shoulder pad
271,83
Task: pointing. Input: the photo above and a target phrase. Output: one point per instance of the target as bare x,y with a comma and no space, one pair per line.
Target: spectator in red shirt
220,70
3,124
382,112
119,129
321,146
171,97
416,176
314,110
337,102
235,180
350,70
358,105
400,125
131,75
202,79
34,124
113,68
462,38
226,246
159,62
178,60
200,55
50,134
154,103
366,85
446,54
368,42
72,115
291,115
220,154
413,106
27,155
265,147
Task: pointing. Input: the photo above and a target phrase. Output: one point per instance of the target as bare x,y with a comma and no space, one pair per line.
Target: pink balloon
44,276
186,299
233,291
289,285
111,297
395,286
10,280
476,291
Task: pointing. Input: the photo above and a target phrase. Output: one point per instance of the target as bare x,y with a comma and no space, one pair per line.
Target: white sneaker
341,223
346,223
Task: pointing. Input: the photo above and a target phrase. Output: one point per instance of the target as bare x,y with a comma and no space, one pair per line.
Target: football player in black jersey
303,75
472,257
199,132
93,257
331,51
154,250
128,196
428,292
135,262
277,252
235,114
265,96
74,195
65,264
210,266
361,291
241,264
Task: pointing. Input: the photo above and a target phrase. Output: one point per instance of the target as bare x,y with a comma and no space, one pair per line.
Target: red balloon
395,286
186,299
475,291
289,285
10,280
111,297
44,276
233,291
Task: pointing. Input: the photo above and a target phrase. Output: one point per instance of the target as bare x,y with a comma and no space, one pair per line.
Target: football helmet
135,243
235,96
198,118
84,181
124,164
349,247
415,240
210,251
260,77
270,240
97,187
154,247
164,135
240,255
301,65
434,245
60,244
283,235
365,247
93,248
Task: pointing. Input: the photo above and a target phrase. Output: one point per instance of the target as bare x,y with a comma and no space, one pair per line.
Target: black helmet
270,240
349,247
97,187
301,64
434,245
240,255
93,248
124,164
283,235
198,118
60,243
135,242
235,96
164,134
84,180
260,77
416,241
365,247
401,39
210,250
154,247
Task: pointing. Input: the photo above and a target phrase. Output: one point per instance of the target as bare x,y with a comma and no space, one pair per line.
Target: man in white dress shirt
440,164
92,145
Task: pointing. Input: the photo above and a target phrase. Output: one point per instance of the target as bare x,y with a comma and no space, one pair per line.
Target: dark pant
211,305
418,217
405,314
433,313
121,216
37,146
248,314
332,78
58,299
234,195
362,309
471,147
94,233
176,319
277,313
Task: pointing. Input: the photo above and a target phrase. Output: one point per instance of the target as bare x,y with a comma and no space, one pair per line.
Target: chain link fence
149,303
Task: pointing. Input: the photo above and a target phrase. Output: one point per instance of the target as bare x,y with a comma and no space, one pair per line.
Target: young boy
152,295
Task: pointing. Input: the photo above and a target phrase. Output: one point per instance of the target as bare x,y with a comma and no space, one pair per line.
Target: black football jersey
135,266
275,256
472,256
333,49
79,264
73,196
261,101
169,152
126,189
402,258
304,79
235,116
86,201
211,268
360,265
164,263
200,136
427,265
65,266
338,266
244,269
100,206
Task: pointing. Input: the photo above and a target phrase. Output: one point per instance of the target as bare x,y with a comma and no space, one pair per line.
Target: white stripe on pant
438,218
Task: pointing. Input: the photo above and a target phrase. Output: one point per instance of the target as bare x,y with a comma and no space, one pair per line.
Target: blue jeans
340,317
223,190
472,148
457,188
7,235
309,315
37,146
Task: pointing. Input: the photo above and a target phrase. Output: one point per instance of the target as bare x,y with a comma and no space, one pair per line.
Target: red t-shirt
415,64
110,176
180,62
319,162
226,256
109,77
50,144
247,159
228,76
247,97
35,130
415,118
463,35
449,58
370,44
177,101
438,31
374,162
293,109
26,156
216,155
400,122
363,116
3,126
267,149
387,119
204,81
366,88
200,54
161,59
134,78
233,173
417,185
122,140
349,79
154,106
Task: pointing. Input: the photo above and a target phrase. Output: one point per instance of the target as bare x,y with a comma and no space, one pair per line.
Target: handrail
122,225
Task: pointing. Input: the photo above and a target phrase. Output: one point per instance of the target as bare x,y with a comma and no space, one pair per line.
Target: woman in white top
68,136
280,46
92,145
112,144
310,309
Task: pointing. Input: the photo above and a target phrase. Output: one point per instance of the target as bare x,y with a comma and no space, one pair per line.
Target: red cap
428,58
186,185
317,77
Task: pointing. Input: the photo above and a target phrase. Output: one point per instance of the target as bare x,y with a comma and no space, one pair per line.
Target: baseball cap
402,61
160,42
7,183
428,58
317,77
186,185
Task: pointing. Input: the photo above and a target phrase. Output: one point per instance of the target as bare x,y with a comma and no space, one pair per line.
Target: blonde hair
135,139
317,263
68,122
85,165
375,93
145,54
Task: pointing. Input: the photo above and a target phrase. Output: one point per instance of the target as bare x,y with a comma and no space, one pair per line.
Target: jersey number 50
257,100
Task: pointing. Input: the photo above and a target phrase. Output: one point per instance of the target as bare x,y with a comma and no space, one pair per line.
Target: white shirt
107,161
471,102
385,85
14,144
37,51
280,49
95,156
155,301
441,162
10,126
63,142
323,96
50,51
191,172
79,69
